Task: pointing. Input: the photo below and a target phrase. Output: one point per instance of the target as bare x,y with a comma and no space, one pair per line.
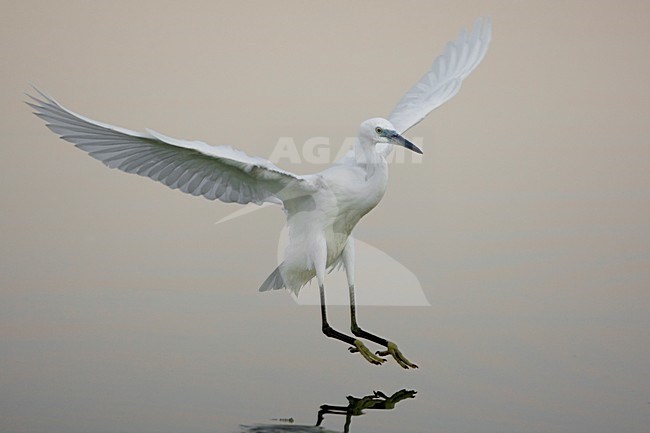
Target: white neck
367,157
365,152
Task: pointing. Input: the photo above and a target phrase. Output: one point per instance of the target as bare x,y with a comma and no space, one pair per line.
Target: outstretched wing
443,80
194,167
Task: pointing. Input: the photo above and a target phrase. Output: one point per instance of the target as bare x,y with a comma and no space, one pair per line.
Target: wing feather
193,167
443,80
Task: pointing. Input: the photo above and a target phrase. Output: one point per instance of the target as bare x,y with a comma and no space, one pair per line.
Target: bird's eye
378,130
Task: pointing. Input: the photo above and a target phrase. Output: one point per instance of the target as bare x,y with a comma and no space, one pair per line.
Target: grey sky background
528,213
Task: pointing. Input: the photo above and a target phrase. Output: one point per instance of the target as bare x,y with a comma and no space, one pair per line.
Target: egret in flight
322,209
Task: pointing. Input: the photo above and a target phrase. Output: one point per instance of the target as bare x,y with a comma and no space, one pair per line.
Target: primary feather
194,167
443,80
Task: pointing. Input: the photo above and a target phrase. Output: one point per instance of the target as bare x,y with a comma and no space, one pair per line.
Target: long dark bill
401,141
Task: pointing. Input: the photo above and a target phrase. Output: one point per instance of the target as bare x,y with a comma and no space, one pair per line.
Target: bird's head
379,130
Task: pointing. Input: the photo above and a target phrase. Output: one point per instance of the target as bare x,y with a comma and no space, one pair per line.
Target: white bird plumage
322,209
443,80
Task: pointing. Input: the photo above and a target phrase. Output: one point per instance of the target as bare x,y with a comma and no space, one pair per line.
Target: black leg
327,329
390,346
333,333
356,330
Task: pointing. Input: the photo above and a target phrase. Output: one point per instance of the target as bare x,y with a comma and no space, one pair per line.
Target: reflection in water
377,400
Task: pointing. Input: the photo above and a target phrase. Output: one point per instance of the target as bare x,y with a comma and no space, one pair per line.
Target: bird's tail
273,282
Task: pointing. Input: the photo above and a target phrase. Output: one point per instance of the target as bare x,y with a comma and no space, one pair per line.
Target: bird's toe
392,350
366,353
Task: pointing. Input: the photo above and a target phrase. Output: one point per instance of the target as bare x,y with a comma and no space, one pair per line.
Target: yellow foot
391,349
363,350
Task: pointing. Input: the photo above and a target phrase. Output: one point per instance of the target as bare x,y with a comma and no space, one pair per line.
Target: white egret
322,209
